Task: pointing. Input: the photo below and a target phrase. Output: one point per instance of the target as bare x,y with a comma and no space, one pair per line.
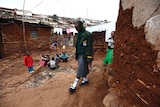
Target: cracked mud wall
135,57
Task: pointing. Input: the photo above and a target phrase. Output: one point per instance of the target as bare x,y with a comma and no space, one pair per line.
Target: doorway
1,46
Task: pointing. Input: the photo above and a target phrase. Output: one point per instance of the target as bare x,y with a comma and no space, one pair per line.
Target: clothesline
107,27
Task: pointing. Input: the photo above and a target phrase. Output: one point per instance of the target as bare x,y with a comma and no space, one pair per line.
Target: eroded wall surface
146,13
136,61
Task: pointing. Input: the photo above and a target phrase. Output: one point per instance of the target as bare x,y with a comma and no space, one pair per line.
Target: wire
37,5
62,7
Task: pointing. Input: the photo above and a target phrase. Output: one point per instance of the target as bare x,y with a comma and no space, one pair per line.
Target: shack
17,36
99,44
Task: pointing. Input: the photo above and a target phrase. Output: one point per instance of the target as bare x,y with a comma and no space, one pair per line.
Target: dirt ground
134,64
48,88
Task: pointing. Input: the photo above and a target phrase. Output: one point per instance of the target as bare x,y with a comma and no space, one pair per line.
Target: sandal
83,83
72,90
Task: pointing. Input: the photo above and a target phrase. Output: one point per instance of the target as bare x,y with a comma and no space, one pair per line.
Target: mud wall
42,42
13,39
99,44
135,58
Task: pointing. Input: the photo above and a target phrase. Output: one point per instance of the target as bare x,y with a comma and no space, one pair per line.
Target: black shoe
71,90
83,83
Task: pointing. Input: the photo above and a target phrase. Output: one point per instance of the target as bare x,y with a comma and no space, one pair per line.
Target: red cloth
28,61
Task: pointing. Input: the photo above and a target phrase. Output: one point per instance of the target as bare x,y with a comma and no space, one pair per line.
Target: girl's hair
52,58
113,32
27,53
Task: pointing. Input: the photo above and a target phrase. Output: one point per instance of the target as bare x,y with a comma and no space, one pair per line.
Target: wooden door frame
1,45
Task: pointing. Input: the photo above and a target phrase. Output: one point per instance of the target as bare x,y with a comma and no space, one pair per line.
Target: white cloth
58,30
111,43
52,64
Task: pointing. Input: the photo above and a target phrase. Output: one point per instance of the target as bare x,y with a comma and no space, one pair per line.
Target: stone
127,4
158,61
111,100
110,81
142,10
152,31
